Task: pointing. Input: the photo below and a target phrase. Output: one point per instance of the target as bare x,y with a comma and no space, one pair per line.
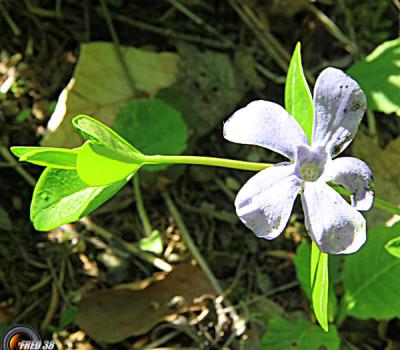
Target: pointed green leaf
101,134
19,151
60,197
61,158
302,264
320,285
298,99
100,166
315,255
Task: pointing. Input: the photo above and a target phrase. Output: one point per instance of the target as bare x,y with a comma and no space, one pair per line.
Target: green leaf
61,158
100,134
60,197
393,247
302,265
99,86
371,278
100,166
153,243
302,335
320,285
153,126
298,99
379,76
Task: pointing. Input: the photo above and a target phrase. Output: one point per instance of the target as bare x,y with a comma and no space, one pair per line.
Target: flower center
310,171
311,162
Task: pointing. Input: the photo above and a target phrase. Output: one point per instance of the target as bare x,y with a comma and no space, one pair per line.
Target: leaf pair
79,180
104,159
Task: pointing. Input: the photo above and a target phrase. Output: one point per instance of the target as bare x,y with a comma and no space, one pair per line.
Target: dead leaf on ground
385,166
111,316
99,87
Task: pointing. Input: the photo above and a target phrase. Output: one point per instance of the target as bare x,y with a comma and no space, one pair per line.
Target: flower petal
265,124
266,200
334,225
339,105
355,176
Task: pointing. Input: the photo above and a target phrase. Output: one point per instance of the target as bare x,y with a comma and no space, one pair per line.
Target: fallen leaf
99,87
385,166
210,85
111,316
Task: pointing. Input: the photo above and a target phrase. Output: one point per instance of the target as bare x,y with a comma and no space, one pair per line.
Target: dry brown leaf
113,315
99,87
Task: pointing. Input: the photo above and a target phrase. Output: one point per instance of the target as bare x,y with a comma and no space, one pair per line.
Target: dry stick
190,243
29,309
18,167
196,253
279,79
195,18
9,20
169,33
266,39
332,28
115,39
109,236
52,307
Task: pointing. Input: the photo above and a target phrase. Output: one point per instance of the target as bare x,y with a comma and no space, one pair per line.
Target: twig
190,243
169,33
161,340
18,167
195,18
132,248
52,307
29,309
16,31
140,206
279,79
332,28
264,36
237,324
118,50
58,281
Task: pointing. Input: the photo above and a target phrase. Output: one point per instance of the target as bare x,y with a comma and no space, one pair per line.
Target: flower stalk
209,161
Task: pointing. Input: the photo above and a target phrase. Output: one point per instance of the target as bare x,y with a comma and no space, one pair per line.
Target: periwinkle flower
265,202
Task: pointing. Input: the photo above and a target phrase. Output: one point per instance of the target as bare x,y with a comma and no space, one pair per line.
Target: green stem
140,206
251,166
210,161
379,203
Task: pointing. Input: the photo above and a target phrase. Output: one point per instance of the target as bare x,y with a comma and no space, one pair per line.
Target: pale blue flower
265,202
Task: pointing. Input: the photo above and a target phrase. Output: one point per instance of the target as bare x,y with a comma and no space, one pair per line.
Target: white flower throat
311,162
